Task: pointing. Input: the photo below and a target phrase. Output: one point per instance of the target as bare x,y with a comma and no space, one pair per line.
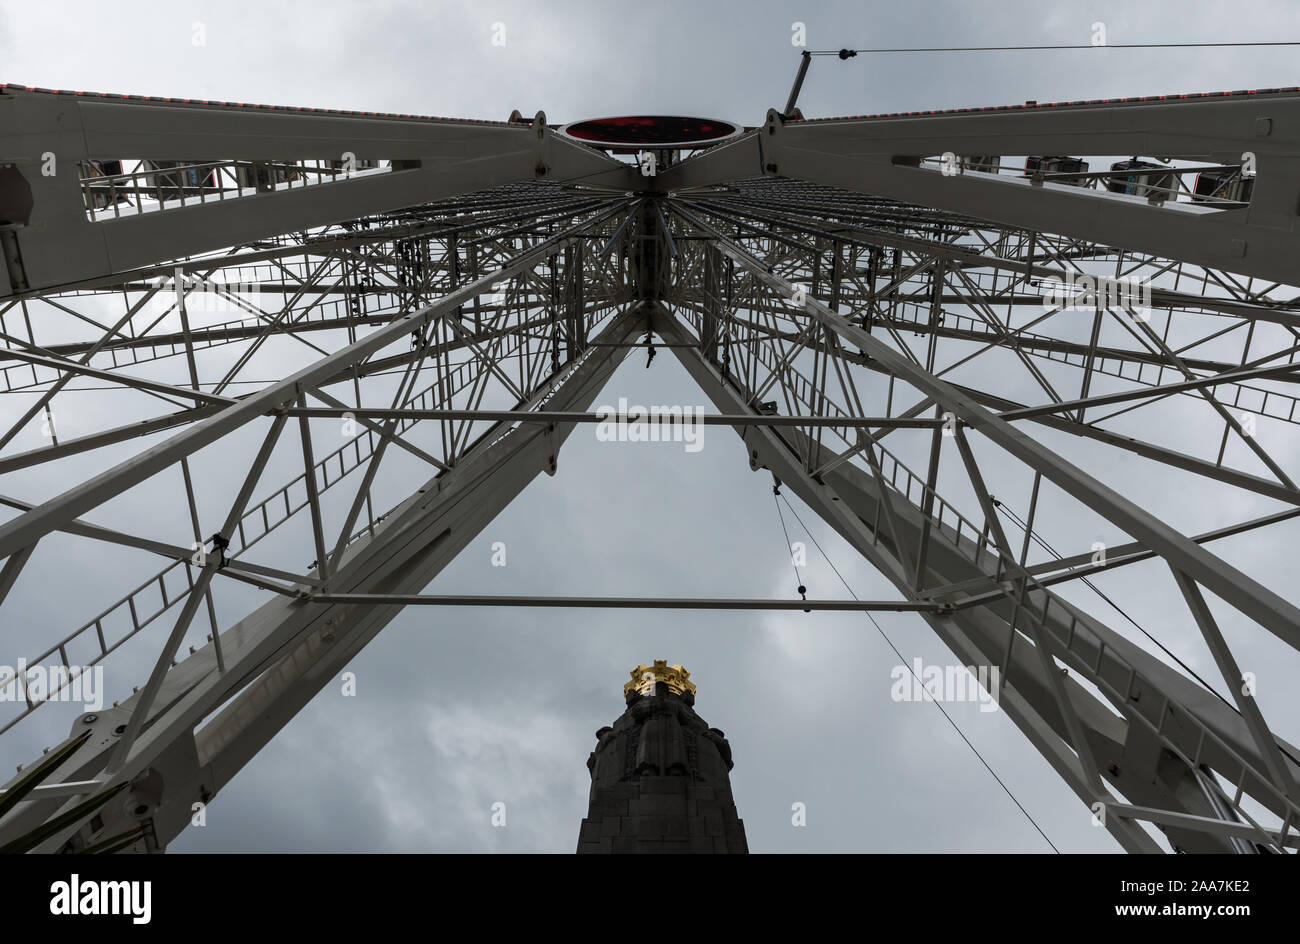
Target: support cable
1136,625
936,703
789,548
849,53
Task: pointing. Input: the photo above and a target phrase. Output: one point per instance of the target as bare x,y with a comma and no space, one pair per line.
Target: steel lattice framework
862,306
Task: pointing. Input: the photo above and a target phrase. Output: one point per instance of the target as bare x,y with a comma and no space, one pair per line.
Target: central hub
632,133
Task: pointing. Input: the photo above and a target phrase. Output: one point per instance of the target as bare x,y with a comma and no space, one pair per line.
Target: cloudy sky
458,710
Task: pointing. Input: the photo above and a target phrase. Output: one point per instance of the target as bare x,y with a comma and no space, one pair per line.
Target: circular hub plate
651,132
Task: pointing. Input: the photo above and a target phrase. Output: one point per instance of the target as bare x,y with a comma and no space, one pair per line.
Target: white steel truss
866,308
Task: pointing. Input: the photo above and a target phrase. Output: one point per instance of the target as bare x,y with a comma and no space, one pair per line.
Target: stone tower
659,775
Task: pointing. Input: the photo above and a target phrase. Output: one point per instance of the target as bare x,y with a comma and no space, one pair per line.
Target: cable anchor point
219,546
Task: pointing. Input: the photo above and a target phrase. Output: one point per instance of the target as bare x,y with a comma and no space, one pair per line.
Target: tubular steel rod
648,603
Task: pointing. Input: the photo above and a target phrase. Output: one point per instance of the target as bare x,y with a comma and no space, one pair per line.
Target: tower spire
660,775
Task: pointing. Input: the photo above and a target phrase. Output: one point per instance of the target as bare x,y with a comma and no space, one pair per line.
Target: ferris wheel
372,331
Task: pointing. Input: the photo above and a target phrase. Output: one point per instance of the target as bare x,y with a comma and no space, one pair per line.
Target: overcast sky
458,710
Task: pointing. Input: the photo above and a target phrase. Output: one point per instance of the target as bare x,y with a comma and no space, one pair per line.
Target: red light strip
213,104
1091,102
